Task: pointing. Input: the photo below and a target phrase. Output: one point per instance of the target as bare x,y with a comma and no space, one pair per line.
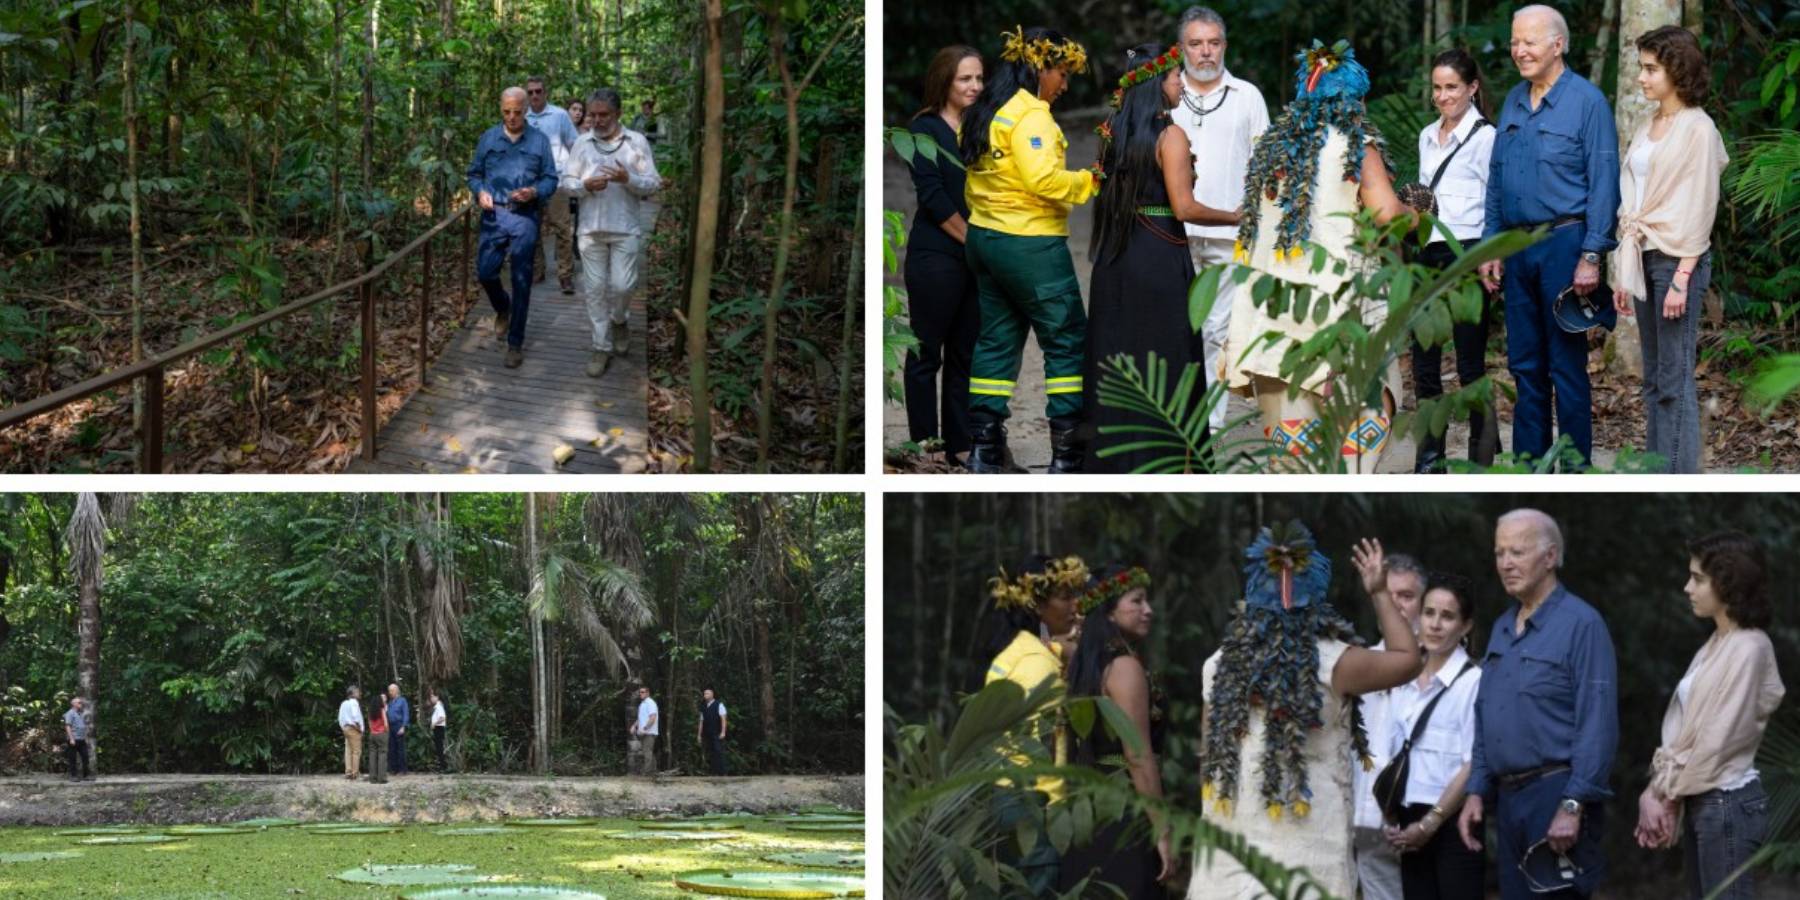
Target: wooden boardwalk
476,415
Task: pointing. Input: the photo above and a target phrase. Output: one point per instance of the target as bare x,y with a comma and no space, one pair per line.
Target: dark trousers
437,743
1443,869
507,236
378,758
1471,341
1522,817
1549,365
77,750
397,752
715,754
946,317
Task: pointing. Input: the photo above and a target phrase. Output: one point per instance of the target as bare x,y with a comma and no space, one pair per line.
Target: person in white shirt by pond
1377,865
611,171
645,730
1222,115
1454,153
439,724
350,722
1434,862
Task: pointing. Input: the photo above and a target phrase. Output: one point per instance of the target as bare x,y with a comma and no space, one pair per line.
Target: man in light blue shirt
1555,164
555,240
75,728
1546,723
512,174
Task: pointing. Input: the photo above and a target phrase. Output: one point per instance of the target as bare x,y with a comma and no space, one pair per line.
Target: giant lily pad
509,890
701,825
266,823
453,873
109,829
356,829
314,826
551,823
133,839
820,820
784,885
202,830
819,858
676,835
475,830
827,827
38,856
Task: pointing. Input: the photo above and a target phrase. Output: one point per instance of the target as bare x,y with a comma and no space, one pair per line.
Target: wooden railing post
150,440
366,294
424,309
467,262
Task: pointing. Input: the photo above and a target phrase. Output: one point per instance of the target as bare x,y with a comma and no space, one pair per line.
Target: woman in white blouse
1434,863
1706,766
1453,162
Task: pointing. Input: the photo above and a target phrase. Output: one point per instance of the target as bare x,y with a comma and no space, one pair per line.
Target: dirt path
182,799
1028,434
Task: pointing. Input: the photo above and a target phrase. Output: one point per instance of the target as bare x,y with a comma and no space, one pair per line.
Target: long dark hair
1464,65
1006,79
1129,157
1101,643
941,75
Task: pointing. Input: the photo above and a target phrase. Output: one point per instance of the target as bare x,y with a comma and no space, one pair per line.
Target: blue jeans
506,235
1547,362
397,752
1522,818
1723,830
1671,398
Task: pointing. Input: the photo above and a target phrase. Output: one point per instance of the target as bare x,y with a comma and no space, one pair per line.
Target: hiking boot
597,363
568,288
514,356
502,322
621,338
1068,446
987,446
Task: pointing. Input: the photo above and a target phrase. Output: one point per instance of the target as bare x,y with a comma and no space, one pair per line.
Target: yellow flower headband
1042,53
1030,589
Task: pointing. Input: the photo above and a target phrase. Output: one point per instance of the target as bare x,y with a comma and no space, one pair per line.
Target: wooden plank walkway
476,415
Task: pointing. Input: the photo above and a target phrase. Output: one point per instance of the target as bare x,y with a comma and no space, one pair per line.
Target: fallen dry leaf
453,445
563,453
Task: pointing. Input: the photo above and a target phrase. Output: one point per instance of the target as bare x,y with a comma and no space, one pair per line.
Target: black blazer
939,185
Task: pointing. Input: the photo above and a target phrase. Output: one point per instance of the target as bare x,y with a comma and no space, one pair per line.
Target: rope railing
150,437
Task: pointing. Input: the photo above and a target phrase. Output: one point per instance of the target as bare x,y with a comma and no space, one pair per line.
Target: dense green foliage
232,622
941,548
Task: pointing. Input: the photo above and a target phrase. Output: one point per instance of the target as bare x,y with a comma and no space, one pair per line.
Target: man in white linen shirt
611,171
1377,865
1222,115
645,730
350,722
554,122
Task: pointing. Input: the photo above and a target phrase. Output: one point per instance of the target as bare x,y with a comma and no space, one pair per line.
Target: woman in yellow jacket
1019,197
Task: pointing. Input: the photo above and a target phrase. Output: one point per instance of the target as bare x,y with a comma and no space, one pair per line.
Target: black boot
1068,446
987,446
1484,436
1430,460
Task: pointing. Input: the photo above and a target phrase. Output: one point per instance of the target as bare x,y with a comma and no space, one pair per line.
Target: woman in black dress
1138,296
1123,853
940,289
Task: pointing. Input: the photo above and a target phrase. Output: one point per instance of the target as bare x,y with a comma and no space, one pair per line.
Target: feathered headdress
1286,571
1329,88
1043,53
1032,588
1104,590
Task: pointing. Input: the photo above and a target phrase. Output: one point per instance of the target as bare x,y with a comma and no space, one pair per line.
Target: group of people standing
384,728
714,723
1381,768
1193,173
525,173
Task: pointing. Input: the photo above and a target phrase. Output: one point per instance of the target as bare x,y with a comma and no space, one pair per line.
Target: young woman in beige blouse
1704,788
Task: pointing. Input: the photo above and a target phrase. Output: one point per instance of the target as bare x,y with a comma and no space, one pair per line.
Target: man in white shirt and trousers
644,732
611,171
350,722
1222,115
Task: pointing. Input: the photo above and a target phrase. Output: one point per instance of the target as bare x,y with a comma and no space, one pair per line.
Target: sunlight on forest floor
294,862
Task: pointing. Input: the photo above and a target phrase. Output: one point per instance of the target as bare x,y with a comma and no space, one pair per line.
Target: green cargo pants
1025,284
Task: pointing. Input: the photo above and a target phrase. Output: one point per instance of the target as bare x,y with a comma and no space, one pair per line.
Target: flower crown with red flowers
1106,590
1147,72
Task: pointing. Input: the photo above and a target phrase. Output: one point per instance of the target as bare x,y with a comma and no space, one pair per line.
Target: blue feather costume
1270,659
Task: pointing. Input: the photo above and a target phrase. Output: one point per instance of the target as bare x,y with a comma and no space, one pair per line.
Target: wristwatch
1590,256
1572,807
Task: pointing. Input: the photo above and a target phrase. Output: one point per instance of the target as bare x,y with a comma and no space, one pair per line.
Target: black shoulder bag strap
1479,124
1390,782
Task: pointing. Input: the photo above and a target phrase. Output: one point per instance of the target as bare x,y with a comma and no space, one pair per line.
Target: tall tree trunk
914,607
1609,15
333,123
137,233
706,230
540,729
1444,24
370,37
1631,110
87,552
849,351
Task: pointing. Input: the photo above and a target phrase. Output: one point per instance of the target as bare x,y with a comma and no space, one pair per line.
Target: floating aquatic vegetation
203,830
827,827
37,856
542,892
133,839
477,830
267,823
450,873
784,885
108,829
552,823
356,829
818,858
694,825
676,835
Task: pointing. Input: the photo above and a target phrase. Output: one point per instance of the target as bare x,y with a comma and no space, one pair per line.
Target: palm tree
87,547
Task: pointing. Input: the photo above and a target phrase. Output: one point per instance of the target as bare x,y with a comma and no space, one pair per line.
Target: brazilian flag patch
1037,143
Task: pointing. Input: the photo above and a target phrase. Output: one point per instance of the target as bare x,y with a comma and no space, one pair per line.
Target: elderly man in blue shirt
513,175
1546,723
399,714
1555,164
